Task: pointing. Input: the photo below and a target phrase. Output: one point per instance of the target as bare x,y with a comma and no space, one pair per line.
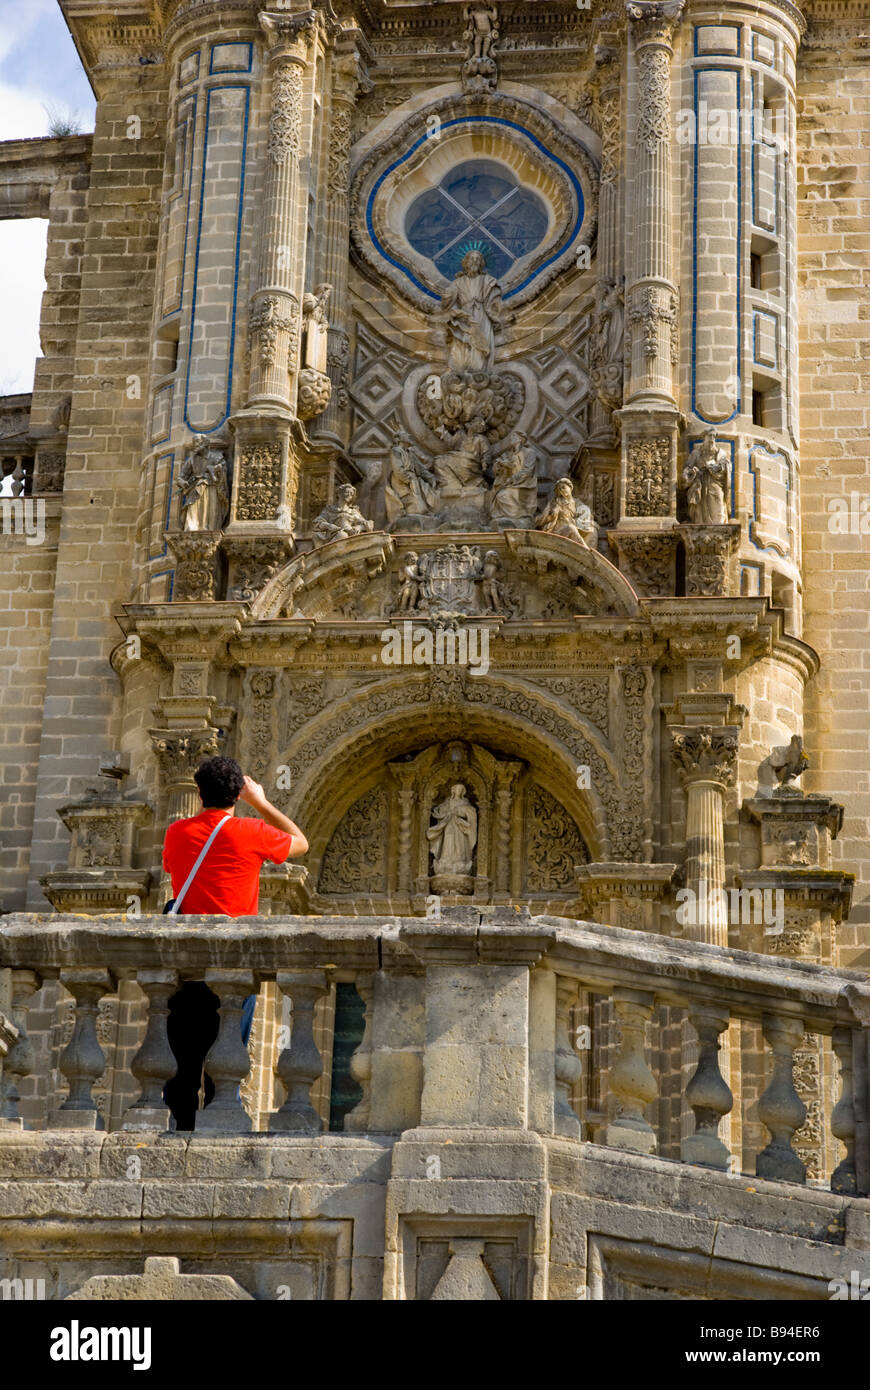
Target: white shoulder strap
195,870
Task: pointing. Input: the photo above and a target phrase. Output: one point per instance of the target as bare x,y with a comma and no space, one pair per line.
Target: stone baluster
82,1061
844,1176
276,308
348,77
361,1061
568,1067
652,300
154,1063
780,1108
18,1062
631,1081
300,1064
228,1061
708,1093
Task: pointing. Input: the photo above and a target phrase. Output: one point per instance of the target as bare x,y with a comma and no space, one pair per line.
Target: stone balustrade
470,1022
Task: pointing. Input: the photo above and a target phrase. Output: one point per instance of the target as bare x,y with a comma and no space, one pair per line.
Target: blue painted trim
754,146
161,574
759,34
717,52
161,439
233,87
184,82
774,318
214,48
789,489
190,151
698,72
692,441
167,517
472,120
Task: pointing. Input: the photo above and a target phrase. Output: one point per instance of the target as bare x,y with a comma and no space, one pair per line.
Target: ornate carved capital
194,553
290,35
654,23
180,752
705,754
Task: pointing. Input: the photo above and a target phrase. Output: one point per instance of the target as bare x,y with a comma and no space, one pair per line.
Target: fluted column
652,299
706,759
277,302
348,76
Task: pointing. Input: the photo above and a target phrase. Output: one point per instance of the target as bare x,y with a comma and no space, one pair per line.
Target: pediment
512,575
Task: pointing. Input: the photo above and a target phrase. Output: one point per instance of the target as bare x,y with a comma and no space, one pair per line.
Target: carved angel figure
481,30
789,761
340,519
202,487
453,835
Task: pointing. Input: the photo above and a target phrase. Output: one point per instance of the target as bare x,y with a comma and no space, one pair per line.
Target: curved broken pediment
519,575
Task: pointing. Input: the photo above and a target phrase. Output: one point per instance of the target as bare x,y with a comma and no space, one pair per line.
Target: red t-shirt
229,878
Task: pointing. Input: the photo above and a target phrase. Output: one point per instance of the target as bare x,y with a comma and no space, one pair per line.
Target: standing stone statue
413,574
493,594
202,487
514,497
340,519
706,477
411,489
562,516
453,835
472,311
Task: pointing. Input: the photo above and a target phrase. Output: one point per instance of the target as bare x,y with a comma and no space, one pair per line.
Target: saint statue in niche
453,834
472,311
706,477
202,487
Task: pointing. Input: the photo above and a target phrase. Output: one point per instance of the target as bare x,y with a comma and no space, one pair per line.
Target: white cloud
22,282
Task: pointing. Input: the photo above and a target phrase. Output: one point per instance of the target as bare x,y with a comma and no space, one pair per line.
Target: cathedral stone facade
457,413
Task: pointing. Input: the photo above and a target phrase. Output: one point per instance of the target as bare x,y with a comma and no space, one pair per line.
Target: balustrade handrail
600,958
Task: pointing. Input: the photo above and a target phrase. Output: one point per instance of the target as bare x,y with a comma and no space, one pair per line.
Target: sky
39,68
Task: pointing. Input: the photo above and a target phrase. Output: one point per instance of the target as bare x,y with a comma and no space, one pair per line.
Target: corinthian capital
705,754
290,35
654,22
180,752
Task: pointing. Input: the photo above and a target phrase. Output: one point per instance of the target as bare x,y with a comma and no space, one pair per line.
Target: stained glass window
479,205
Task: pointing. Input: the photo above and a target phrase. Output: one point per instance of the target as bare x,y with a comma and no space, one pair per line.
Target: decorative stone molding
162,1281
709,552
648,559
195,555
253,560
258,490
648,476
315,390
100,876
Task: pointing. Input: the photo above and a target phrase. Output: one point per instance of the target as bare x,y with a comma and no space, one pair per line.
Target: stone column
180,753
706,758
652,299
276,307
348,77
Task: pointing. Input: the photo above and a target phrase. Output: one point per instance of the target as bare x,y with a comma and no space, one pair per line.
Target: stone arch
368,729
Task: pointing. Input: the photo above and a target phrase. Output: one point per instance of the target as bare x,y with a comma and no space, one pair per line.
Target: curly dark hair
220,781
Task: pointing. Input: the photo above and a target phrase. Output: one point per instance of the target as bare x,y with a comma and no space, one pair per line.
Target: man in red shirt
228,881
